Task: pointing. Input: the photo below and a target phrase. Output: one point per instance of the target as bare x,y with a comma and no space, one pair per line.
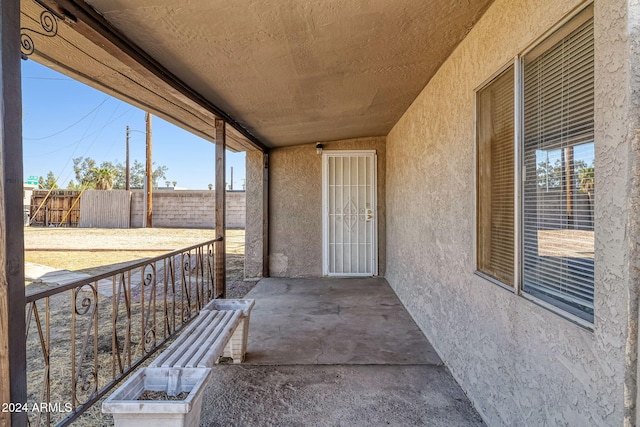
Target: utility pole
128,166
149,173
231,185
568,183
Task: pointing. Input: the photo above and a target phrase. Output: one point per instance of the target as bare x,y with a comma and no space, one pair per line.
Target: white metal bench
221,329
237,345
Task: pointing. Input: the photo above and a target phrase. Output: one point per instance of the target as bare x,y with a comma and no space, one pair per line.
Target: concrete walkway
334,352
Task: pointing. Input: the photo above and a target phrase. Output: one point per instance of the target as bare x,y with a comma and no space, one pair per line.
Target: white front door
350,245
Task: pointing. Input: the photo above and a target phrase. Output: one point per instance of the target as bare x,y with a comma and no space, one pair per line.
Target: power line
109,121
81,139
71,125
47,78
115,145
96,133
78,144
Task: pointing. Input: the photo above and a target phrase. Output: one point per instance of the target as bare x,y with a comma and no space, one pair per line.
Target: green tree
549,174
159,173
138,174
49,183
586,180
104,178
118,173
85,170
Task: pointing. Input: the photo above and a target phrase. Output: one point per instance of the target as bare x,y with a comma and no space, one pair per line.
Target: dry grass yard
566,243
96,251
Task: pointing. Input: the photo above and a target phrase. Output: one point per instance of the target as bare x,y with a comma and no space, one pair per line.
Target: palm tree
104,178
586,180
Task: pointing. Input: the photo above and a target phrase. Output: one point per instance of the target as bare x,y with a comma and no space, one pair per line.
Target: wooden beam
265,215
149,174
90,24
13,369
221,269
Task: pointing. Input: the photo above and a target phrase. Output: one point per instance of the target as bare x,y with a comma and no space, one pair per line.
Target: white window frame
518,68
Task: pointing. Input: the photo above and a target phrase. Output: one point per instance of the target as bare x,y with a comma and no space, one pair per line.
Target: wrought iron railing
84,337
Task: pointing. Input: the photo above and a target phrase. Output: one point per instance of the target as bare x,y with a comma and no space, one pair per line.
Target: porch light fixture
319,148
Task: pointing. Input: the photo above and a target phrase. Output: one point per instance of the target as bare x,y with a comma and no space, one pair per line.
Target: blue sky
64,119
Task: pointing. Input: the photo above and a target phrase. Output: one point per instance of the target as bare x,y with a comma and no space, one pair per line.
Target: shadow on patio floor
334,352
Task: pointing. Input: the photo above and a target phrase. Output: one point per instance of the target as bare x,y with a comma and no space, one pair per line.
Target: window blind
558,157
495,169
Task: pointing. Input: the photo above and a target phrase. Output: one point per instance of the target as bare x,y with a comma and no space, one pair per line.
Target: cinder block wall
236,209
188,209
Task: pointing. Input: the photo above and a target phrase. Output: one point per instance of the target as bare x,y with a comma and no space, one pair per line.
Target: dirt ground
155,239
96,251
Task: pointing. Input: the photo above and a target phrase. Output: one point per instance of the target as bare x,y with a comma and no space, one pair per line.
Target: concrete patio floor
334,352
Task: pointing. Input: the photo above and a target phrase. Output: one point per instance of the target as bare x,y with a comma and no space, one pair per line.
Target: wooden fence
105,209
60,208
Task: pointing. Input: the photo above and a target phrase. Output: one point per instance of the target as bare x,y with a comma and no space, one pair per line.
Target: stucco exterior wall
633,225
519,363
255,218
295,207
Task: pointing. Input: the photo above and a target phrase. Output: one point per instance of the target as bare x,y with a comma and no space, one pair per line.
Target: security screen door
349,213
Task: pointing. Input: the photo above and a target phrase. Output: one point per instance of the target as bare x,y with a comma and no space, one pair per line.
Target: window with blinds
495,178
554,239
558,169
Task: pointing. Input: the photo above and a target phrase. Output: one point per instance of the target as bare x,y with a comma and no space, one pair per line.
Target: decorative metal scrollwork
49,28
186,262
149,275
186,311
149,338
87,303
89,382
86,386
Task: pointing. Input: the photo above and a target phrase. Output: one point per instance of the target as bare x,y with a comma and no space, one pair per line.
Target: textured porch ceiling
281,72
292,71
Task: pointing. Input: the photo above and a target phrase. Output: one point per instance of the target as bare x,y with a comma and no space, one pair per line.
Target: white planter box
128,411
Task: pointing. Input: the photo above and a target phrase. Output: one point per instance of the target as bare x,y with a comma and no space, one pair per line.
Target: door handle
369,214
